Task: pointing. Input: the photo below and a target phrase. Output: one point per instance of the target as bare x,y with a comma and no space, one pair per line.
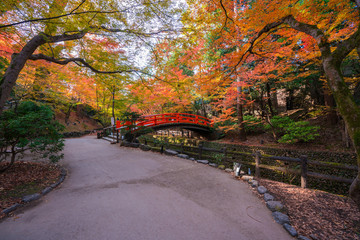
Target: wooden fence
302,162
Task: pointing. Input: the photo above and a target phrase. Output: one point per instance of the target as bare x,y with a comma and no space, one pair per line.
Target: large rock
290,229
281,218
170,152
268,197
183,156
145,147
274,205
203,161
31,197
229,170
262,189
213,165
247,178
254,183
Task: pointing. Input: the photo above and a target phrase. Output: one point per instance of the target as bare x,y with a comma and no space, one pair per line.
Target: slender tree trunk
113,104
269,99
240,116
349,111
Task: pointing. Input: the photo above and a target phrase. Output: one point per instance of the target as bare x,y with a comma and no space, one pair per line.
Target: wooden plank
287,159
329,177
333,165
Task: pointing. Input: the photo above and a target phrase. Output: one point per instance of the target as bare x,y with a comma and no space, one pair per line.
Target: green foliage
280,123
293,132
253,124
218,158
31,127
299,131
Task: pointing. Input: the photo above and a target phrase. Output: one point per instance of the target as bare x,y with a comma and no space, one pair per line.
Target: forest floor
317,214
25,178
313,213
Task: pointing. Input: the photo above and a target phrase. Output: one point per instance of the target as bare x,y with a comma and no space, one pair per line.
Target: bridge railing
168,118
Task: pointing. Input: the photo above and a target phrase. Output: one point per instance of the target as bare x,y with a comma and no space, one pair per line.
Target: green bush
290,131
253,124
299,132
30,127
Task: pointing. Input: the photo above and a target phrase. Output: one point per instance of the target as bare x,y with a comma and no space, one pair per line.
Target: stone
145,147
54,185
192,159
274,205
125,144
301,237
247,178
170,152
290,229
222,167
46,190
12,208
183,156
134,145
261,189
203,161
228,170
31,197
63,172
313,237
268,197
254,183
280,218
62,178
213,165
242,172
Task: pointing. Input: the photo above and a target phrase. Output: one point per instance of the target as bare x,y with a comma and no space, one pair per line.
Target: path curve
121,193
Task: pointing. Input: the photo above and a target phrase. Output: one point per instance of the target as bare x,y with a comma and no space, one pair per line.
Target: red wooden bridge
188,121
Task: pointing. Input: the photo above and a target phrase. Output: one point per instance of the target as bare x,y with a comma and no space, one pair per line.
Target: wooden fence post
182,148
224,150
303,159
257,163
200,150
117,136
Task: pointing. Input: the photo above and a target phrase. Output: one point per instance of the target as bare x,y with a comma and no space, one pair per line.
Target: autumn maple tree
263,40
67,31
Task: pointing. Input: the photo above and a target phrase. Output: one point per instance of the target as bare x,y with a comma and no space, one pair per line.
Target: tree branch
72,13
347,46
80,61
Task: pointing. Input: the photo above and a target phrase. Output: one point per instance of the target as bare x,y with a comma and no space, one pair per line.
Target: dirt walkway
122,193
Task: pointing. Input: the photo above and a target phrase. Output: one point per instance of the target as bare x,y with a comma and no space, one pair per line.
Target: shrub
299,132
30,127
253,124
292,132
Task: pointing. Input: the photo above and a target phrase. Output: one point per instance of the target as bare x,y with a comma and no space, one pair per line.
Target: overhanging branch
80,61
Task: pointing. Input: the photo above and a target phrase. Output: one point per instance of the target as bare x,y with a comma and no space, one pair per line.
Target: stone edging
275,206
29,198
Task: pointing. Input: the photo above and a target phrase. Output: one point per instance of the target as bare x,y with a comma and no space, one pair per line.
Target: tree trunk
332,117
269,99
16,65
349,111
240,117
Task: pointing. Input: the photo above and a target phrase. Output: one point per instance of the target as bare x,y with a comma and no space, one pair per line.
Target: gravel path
122,193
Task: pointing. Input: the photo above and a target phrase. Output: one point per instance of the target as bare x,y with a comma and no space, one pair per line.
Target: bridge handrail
157,119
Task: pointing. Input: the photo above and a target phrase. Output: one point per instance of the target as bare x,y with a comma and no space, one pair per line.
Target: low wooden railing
302,162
